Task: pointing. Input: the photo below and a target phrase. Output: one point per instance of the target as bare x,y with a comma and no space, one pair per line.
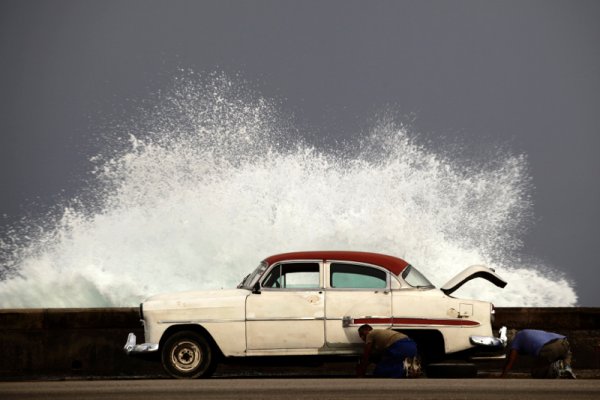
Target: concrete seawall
68,342
89,342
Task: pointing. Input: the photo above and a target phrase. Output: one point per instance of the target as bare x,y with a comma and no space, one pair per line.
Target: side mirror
256,288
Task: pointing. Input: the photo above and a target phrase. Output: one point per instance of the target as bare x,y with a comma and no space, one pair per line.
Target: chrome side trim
131,347
286,319
206,321
200,321
488,358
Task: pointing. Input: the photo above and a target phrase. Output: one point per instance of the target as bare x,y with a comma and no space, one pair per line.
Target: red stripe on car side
416,321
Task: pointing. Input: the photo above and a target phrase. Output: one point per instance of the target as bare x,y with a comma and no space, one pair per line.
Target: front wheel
187,354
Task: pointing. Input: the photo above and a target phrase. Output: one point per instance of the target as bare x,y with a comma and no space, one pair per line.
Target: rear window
414,278
352,276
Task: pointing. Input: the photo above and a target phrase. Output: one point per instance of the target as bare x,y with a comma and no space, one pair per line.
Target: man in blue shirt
551,351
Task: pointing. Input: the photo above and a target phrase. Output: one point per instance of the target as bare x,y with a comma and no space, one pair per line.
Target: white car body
312,303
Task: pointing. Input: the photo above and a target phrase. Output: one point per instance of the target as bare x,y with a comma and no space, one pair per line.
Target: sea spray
213,177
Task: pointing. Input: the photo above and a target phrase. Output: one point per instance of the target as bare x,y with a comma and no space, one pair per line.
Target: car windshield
249,280
414,278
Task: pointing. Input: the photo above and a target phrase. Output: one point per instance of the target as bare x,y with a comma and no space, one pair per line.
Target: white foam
213,180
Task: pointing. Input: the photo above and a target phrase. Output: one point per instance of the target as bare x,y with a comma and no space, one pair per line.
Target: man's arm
510,360
364,361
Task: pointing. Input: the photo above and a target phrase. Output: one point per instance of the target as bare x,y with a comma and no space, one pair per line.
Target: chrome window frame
327,268
257,277
307,261
407,286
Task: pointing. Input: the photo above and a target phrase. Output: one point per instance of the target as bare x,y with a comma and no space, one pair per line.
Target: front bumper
132,348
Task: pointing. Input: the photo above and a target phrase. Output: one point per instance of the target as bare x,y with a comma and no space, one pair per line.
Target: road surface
296,389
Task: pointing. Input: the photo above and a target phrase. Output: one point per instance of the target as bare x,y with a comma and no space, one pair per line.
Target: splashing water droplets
213,179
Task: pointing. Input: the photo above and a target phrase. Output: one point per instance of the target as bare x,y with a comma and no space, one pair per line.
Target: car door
287,313
356,294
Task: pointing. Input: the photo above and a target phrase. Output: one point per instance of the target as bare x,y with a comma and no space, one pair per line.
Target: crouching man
397,353
551,351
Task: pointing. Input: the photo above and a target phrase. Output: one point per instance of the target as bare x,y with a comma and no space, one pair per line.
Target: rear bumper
491,342
490,347
132,348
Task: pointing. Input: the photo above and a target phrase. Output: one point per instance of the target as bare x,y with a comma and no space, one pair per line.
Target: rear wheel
187,354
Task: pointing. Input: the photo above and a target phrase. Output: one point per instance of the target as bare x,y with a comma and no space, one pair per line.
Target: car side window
352,276
293,276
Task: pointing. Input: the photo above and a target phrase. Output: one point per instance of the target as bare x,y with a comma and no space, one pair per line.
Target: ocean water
212,177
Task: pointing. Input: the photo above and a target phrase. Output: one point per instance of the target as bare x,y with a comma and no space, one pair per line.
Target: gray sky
525,74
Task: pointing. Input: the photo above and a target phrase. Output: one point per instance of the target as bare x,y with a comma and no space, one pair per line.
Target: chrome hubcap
186,356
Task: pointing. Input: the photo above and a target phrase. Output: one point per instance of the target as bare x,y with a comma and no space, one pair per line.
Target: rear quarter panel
456,319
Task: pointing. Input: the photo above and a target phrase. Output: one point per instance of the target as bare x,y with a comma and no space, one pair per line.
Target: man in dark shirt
398,353
551,351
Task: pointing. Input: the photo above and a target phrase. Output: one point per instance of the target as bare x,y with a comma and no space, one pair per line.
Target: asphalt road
291,389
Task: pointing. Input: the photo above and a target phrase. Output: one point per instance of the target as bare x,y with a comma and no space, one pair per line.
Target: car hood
474,271
200,298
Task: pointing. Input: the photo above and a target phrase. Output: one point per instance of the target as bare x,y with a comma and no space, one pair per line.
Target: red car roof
393,264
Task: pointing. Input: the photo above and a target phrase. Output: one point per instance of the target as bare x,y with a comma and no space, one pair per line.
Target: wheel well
430,343
193,328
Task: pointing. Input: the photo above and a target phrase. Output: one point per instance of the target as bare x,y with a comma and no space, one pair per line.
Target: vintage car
311,304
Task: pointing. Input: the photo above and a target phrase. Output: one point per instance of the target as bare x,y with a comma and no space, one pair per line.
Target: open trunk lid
474,271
